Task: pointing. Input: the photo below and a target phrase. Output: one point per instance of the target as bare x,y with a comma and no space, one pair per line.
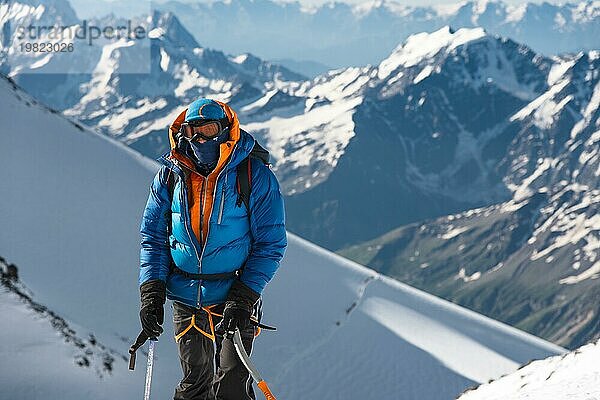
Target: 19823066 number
46,47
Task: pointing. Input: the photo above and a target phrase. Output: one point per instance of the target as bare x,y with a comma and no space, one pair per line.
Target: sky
83,3
423,2
128,8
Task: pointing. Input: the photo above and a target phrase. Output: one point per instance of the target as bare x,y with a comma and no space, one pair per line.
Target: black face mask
205,155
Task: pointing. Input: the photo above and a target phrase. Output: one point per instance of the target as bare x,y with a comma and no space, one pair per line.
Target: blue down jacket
256,243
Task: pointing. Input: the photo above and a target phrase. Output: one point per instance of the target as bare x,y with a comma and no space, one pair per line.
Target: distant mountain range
342,35
473,133
412,114
136,107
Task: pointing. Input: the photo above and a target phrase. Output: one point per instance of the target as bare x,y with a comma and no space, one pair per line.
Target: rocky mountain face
531,261
276,30
428,133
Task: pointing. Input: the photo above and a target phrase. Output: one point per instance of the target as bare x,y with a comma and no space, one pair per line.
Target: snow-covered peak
559,69
426,45
571,79
25,12
480,6
170,28
55,6
575,375
247,60
545,27
239,59
9,11
160,25
116,96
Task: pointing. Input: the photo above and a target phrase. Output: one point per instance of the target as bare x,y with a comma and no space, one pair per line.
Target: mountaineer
213,235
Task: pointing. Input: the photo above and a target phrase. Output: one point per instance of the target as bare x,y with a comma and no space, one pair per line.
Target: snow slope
575,375
360,327
64,359
70,205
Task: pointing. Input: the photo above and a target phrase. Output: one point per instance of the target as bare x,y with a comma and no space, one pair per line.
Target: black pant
199,359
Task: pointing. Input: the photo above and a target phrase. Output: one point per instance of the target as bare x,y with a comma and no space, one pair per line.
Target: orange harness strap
210,335
211,324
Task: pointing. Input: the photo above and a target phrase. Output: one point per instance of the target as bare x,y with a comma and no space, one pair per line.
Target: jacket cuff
241,293
153,291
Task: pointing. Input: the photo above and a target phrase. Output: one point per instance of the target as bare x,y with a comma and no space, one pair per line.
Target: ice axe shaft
139,342
239,348
149,368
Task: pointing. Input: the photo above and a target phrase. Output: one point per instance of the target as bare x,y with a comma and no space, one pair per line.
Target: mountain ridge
87,348
530,261
376,27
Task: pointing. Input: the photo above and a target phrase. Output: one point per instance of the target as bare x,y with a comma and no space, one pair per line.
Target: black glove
152,313
238,308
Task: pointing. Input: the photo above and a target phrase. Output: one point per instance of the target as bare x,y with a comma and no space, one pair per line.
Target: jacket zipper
188,232
202,241
199,257
215,191
203,197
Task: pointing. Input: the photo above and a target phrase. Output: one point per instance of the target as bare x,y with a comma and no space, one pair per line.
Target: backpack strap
244,183
171,183
244,174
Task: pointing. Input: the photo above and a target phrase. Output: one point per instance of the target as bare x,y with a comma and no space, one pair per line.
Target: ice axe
239,348
141,339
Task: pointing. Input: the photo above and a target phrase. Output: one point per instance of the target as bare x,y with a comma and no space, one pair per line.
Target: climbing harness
211,335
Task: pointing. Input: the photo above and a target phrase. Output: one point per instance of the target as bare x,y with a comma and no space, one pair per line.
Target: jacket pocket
221,206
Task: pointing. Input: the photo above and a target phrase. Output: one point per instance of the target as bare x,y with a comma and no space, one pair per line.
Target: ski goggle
206,130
